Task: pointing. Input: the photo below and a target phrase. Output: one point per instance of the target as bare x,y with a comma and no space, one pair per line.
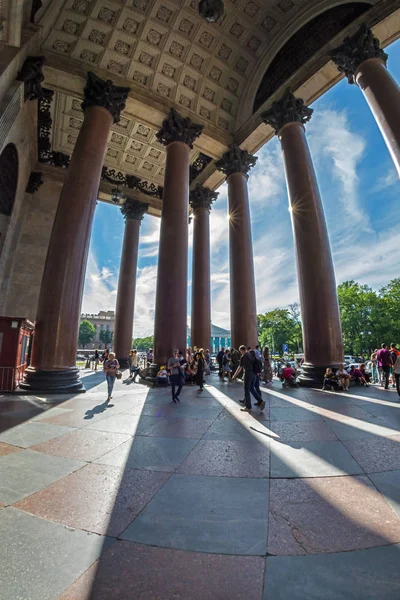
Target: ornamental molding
45,122
176,128
100,92
134,209
236,160
32,76
202,197
355,50
288,109
34,182
132,182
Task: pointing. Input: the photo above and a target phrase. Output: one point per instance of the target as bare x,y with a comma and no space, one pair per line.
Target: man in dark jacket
220,357
247,363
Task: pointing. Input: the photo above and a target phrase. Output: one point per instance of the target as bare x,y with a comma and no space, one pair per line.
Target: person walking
201,365
111,367
133,365
394,353
384,362
268,376
247,365
220,357
375,376
226,370
96,359
396,372
176,376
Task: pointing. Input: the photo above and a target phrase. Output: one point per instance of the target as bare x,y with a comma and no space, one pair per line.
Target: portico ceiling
169,56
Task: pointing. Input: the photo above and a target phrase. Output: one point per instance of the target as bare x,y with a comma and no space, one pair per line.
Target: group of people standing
179,366
229,360
386,364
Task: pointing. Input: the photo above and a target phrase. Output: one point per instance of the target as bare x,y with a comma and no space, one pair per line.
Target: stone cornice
288,109
100,92
176,128
133,209
202,197
236,160
355,50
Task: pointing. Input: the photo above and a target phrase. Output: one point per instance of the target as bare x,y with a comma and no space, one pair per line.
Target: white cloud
145,301
388,180
100,288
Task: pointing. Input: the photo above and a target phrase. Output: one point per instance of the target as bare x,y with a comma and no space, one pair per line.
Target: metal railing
10,377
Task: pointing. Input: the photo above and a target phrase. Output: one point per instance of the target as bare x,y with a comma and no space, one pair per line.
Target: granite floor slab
377,454
231,429
312,459
360,575
294,413
205,514
83,444
302,431
221,458
122,423
132,571
40,559
98,498
28,434
176,427
388,483
319,515
26,472
154,454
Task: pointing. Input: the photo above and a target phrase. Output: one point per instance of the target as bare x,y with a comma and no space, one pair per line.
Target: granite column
363,61
322,336
177,134
133,211
236,163
53,364
201,199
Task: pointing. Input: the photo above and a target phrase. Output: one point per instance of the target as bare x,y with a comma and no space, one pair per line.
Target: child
330,381
344,378
289,375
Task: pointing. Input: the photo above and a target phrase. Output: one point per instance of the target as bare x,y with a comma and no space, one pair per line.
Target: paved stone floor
147,500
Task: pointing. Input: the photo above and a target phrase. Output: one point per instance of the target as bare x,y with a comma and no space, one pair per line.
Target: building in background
220,338
103,321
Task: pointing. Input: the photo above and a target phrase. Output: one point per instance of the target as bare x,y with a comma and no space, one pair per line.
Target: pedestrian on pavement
176,376
133,365
268,376
220,357
394,353
226,369
396,371
96,359
384,363
375,374
201,365
111,367
247,365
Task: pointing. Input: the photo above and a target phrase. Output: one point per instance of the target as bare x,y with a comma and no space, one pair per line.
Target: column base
313,375
123,362
152,374
60,381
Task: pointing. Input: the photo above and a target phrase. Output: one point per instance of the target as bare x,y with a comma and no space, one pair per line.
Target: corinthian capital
354,50
202,197
288,109
100,92
176,128
133,209
32,76
236,160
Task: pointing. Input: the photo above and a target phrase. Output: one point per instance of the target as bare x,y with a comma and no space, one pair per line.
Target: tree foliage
87,332
143,344
281,326
106,336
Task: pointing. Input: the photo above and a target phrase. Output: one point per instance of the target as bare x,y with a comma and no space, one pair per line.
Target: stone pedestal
177,134
322,337
363,61
133,212
201,199
236,163
53,363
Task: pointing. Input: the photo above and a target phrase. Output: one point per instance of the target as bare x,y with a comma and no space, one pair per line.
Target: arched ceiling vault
170,56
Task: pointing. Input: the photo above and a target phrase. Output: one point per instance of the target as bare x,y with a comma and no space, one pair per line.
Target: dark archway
8,179
304,44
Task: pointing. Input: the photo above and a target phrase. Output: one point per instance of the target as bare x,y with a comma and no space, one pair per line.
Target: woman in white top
344,377
396,372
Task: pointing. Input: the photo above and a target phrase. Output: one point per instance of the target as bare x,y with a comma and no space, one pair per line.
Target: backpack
257,364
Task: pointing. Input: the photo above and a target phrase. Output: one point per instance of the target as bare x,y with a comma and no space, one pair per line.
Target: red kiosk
16,336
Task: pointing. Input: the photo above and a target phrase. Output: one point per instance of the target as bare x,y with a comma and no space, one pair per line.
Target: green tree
106,336
390,312
87,332
143,344
281,326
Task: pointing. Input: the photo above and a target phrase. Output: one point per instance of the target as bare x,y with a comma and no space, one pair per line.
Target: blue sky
360,193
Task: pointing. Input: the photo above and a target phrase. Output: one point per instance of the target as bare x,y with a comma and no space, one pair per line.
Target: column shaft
126,292
243,296
383,96
53,364
322,336
171,295
201,301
